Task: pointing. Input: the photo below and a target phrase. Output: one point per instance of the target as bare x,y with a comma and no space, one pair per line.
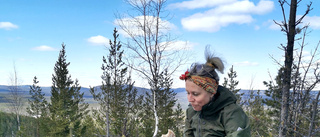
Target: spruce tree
261,124
231,83
117,99
147,120
67,107
90,129
169,116
165,103
7,124
273,100
133,102
178,125
38,106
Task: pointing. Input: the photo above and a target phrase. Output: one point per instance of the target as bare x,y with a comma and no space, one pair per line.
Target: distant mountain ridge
181,95
86,91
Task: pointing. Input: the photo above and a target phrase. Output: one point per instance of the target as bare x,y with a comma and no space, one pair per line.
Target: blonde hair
208,69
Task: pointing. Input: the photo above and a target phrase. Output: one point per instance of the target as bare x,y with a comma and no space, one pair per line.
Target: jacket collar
222,98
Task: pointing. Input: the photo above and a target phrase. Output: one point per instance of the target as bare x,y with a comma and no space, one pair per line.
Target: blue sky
241,32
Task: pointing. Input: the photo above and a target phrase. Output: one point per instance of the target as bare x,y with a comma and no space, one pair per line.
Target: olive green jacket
220,117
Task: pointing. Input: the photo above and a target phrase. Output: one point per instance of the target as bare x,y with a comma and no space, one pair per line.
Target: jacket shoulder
190,112
236,121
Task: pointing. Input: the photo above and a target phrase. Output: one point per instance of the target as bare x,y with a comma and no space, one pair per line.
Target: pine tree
165,103
179,116
260,123
7,124
231,83
118,99
132,110
38,105
273,102
169,116
147,118
89,128
67,107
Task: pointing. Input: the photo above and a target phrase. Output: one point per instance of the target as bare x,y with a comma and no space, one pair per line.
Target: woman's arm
235,121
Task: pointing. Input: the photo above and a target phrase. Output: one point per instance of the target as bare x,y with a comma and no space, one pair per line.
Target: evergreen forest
288,107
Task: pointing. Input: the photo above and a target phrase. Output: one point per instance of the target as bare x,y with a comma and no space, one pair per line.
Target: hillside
181,94
4,91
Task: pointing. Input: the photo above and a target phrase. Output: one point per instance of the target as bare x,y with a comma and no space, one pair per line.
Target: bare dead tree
15,97
302,114
314,113
290,30
314,105
304,80
150,43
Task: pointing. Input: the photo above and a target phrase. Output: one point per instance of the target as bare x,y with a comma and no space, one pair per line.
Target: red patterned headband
208,84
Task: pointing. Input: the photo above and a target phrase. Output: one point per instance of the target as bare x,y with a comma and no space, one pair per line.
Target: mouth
194,105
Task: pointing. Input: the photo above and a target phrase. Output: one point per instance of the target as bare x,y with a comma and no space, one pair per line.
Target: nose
190,98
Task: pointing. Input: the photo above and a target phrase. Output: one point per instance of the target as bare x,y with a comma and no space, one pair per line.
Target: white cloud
185,45
8,26
272,25
246,63
193,4
263,7
98,40
314,21
306,56
212,23
238,12
246,6
44,48
134,27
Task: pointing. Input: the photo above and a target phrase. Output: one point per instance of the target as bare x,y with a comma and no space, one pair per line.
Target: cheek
203,100
189,97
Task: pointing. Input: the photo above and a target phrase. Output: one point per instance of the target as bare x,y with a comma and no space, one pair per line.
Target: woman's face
197,96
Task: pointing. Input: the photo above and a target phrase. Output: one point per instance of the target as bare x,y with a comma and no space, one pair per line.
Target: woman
213,110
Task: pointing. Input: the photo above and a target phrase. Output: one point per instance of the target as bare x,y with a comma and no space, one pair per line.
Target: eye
195,94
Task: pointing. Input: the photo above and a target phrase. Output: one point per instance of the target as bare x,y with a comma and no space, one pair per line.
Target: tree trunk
107,122
155,114
287,71
18,122
38,127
